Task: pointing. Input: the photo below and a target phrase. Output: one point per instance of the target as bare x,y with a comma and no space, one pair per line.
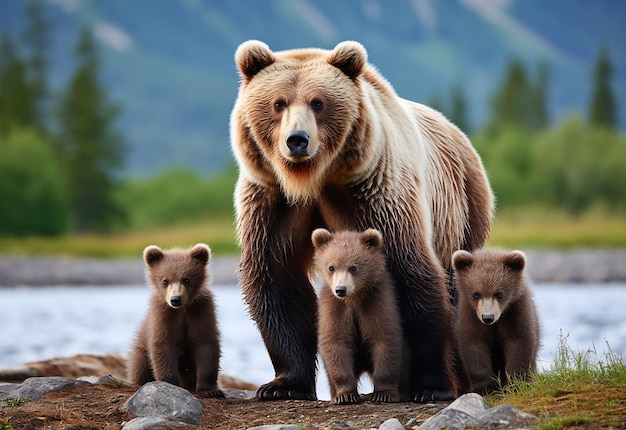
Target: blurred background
114,114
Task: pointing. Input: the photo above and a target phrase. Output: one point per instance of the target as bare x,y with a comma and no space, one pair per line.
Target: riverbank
552,266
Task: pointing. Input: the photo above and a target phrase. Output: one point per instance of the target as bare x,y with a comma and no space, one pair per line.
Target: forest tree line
62,155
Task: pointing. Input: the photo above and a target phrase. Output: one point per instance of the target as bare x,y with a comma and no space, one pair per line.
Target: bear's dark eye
280,105
317,105
165,282
331,268
499,295
476,296
352,269
186,281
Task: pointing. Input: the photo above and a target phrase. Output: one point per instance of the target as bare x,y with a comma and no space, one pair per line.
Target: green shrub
33,200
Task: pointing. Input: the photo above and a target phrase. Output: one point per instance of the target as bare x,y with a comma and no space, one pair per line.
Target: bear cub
178,341
498,325
359,320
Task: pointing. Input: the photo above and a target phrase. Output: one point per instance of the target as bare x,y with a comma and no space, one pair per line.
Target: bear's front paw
346,399
383,397
279,389
431,395
210,393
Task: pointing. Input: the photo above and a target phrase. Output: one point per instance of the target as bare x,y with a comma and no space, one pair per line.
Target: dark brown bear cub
359,321
498,326
178,341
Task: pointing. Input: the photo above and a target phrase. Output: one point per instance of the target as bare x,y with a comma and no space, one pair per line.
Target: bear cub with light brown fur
359,320
178,341
498,325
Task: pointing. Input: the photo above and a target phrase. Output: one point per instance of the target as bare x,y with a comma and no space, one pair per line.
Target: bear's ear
321,237
251,57
152,255
201,252
372,238
350,57
515,260
462,260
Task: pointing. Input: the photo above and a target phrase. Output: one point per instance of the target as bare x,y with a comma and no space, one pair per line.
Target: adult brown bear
322,140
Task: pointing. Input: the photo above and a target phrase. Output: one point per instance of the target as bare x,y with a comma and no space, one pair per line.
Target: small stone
470,403
161,399
504,415
391,424
277,427
35,388
451,419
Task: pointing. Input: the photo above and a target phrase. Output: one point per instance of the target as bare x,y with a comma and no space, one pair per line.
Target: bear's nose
297,142
488,318
341,291
176,301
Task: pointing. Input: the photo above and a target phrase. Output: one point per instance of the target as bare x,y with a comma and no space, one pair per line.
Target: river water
45,322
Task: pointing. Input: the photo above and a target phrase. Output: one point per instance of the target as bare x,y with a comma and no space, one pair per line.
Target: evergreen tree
36,40
16,107
603,109
538,103
458,110
90,149
510,106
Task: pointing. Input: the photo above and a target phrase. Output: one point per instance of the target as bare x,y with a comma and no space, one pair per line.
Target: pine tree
510,106
90,149
538,103
36,40
458,109
603,109
16,107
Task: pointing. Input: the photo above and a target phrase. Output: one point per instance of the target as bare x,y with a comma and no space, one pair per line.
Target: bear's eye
280,105
352,269
165,282
186,281
499,295
331,268
476,296
317,105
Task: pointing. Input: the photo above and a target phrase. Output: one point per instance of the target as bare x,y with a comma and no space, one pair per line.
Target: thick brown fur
322,140
498,325
178,341
359,320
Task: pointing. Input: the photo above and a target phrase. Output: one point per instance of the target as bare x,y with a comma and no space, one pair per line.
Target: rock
471,410
155,423
391,424
161,399
35,388
277,427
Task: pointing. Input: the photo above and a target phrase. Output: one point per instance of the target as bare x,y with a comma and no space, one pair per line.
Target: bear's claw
428,395
347,399
279,390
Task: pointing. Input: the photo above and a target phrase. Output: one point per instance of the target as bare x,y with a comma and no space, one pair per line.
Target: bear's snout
176,301
297,142
341,291
488,318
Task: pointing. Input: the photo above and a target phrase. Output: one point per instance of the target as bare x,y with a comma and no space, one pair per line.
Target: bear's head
177,275
350,262
294,112
489,280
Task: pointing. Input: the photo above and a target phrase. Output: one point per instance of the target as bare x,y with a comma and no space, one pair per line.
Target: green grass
10,402
580,389
535,228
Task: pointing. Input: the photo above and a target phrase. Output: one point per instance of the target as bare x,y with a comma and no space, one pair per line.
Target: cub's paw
431,395
346,399
279,389
383,397
210,393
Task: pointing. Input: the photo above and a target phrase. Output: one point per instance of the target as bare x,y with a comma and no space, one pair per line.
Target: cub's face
177,274
294,112
348,261
489,280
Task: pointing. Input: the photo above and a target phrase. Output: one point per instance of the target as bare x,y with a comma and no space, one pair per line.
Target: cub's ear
201,252
321,237
350,57
372,238
251,57
152,255
462,260
515,260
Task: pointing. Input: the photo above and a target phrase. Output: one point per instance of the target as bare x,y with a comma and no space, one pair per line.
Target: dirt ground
94,406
